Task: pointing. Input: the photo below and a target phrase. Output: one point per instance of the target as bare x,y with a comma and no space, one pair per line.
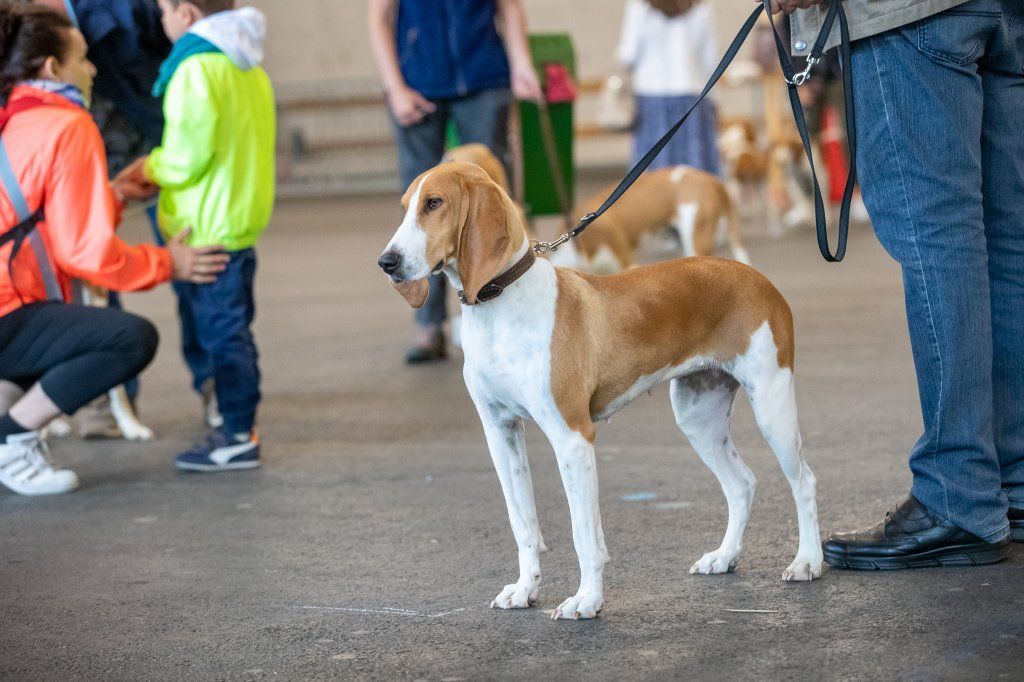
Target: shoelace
34,459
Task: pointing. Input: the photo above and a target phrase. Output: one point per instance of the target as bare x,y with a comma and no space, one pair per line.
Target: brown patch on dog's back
610,331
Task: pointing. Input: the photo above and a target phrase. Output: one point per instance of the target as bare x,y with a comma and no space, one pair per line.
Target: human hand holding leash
790,6
198,266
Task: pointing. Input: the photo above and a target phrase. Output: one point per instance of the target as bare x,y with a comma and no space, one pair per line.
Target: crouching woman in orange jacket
57,217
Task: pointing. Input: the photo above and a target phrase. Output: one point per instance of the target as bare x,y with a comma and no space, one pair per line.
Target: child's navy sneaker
221,452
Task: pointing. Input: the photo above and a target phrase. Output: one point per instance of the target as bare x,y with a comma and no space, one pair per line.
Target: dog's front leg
578,467
506,441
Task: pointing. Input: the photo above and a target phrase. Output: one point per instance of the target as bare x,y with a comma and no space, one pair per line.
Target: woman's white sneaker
25,469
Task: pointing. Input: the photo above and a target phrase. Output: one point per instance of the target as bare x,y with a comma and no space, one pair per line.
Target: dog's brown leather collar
493,289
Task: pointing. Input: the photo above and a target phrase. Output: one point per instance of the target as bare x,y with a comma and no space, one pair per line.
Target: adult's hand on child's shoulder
198,266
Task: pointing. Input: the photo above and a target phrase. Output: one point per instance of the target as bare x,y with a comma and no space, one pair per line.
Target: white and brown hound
695,203
567,349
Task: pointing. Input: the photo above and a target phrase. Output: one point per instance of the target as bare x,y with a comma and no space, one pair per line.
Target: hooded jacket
215,167
57,155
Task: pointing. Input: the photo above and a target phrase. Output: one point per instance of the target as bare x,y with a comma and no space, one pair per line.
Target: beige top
867,18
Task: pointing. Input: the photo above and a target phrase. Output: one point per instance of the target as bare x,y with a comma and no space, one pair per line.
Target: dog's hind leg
702,404
773,399
506,440
686,226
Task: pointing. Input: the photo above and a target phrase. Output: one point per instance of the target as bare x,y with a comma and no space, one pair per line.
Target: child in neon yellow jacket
215,171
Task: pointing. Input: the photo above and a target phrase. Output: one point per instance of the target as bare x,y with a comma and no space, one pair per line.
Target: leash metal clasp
799,79
540,248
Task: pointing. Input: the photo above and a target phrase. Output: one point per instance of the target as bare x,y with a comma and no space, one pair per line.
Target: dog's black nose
389,262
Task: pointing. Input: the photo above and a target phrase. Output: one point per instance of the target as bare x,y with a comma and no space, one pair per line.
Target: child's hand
130,190
135,173
198,266
408,106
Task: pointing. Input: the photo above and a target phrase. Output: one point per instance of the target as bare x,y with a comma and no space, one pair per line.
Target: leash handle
648,158
793,80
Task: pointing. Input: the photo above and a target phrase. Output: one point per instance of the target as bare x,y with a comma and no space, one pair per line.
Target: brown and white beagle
695,203
765,178
481,155
567,350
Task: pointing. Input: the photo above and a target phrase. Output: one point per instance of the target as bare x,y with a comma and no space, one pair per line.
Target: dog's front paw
719,561
582,605
516,596
137,432
803,569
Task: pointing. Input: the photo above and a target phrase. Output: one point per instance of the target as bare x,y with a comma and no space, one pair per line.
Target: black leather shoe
911,537
1016,517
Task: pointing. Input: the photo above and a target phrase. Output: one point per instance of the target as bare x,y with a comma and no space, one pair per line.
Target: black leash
793,80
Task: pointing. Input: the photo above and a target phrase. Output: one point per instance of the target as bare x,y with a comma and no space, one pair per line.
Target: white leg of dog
773,399
506,441
578,467
124,415
686,225
703,404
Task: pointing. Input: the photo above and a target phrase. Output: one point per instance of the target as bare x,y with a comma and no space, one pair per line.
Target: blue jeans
481,117
940,121
221,315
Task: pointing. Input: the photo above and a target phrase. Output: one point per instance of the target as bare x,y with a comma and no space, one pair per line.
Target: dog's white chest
507,341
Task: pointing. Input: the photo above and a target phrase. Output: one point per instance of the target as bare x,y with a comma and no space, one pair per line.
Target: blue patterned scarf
65,90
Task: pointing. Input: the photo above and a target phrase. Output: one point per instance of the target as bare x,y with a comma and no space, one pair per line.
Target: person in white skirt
671,50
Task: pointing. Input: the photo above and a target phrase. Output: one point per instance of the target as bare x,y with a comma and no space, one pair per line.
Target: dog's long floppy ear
414,291
485,241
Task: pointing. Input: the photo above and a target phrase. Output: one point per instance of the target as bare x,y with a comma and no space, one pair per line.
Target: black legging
77,353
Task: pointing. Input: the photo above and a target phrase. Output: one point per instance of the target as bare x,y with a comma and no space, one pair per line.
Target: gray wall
314,39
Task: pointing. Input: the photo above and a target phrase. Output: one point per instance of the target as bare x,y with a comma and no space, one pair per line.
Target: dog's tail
733,226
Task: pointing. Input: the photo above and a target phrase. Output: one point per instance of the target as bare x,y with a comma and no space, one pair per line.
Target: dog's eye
433,203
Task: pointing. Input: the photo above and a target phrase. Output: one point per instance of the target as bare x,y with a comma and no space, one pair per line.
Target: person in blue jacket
442,60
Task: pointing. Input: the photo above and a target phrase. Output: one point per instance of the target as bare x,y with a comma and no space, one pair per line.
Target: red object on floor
832,137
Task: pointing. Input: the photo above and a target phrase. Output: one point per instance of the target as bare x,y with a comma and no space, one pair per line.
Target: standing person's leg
71,354
420,147
195,357
483,118
919,122
1002,157
224,313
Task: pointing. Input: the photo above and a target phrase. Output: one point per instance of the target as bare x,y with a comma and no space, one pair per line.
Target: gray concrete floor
372,540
